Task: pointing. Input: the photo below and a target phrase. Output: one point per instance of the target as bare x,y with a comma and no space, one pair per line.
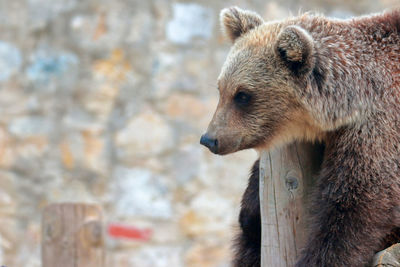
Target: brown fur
248,241
313,78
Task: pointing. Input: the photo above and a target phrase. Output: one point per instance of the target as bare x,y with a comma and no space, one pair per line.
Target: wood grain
286,176
72,236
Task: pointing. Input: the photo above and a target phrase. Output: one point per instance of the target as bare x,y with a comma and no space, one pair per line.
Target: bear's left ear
236,21
296,48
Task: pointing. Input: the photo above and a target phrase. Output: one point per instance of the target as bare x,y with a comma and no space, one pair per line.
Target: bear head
267,66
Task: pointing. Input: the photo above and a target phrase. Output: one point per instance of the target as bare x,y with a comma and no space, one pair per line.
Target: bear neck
361,159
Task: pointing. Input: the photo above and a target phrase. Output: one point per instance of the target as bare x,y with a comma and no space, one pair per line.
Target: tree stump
72,236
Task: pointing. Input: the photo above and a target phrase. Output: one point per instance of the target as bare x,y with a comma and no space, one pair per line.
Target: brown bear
317,79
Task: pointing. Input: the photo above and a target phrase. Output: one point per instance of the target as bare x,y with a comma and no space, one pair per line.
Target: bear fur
327,80
248,241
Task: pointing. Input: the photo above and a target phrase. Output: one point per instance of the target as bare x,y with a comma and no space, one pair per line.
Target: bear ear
296,48
236,21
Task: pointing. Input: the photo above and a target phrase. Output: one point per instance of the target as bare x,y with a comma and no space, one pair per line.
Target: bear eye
242,98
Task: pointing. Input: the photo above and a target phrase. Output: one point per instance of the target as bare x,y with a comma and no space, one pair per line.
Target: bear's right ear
236,21
296,48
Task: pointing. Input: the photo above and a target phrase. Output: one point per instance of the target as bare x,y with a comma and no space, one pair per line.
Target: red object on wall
128,232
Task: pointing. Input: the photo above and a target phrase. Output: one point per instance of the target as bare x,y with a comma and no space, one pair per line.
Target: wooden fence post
286,175
72,236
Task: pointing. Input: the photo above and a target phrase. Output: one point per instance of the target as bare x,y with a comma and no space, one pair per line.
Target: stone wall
105,101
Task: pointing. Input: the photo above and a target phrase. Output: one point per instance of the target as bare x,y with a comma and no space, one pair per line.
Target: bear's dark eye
242,98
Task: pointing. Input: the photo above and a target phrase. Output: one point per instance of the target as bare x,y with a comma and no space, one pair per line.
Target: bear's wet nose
211,143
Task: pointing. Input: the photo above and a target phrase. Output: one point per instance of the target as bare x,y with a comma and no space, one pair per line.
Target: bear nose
211,143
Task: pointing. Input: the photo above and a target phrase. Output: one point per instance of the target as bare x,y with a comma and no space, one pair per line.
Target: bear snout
210,143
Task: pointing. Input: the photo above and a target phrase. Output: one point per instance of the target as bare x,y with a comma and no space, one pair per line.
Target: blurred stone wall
104,102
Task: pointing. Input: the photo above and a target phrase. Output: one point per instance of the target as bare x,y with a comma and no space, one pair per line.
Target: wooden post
286,175
72,236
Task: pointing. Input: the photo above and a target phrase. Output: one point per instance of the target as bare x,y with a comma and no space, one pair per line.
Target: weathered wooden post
286,175
72,236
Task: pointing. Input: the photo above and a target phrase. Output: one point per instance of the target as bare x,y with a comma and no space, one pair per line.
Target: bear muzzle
210,143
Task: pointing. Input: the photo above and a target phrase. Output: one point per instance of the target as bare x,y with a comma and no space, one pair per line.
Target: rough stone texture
388,257
104,101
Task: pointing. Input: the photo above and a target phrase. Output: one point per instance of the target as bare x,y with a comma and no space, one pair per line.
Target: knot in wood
49,232
291,183
93,233
51,228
